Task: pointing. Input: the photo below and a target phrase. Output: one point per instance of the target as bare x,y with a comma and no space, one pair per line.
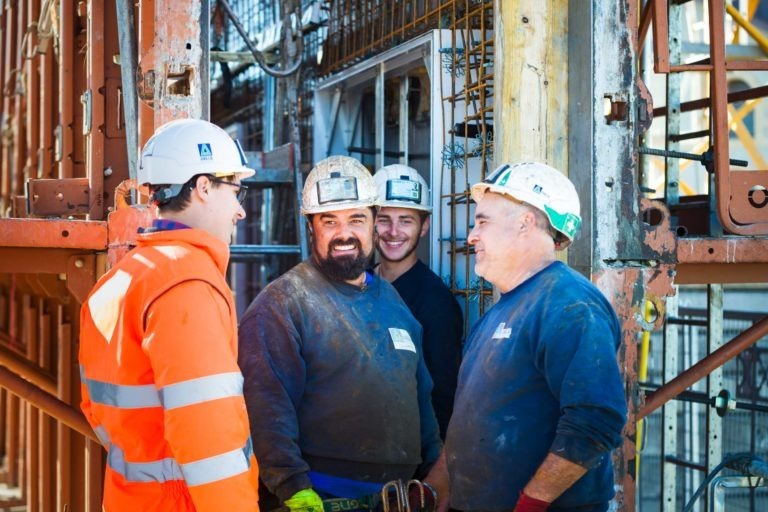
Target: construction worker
403,218
158,344
540,402
335,383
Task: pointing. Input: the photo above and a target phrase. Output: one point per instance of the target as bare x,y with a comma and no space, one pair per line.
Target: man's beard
344,268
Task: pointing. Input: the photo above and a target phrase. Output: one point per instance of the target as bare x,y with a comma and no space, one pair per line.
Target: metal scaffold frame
85,84
707,251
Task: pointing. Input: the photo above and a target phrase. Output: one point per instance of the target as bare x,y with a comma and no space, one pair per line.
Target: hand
305,500
527,504
437,479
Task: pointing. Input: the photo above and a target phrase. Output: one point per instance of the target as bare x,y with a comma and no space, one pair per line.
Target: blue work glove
305,500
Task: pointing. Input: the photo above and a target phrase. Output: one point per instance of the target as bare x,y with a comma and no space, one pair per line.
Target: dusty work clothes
539,375
335,382
161,386
436,309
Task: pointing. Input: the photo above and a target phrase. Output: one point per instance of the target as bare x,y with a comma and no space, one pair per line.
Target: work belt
395,496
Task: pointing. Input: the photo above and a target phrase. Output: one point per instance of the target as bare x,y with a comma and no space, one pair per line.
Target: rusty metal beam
30,260
33,96
94,125
46,402
725,273
49,233
660,35
46,166
61,197
645,23
690,106
9,174
66,99
28,370
17,126
722,260
732,249
701,369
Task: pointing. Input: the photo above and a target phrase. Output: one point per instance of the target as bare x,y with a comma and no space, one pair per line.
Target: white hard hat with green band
542,187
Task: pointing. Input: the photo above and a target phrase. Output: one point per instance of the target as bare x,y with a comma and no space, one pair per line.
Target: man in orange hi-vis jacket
158,344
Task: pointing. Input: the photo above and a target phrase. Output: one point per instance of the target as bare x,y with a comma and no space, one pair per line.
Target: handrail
704,367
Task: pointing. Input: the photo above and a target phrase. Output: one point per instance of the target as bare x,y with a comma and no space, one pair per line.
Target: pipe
642,375
704,367
295,50
46,402
753,31
27,369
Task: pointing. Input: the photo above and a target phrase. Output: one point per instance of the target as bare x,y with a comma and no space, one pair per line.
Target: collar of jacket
217,249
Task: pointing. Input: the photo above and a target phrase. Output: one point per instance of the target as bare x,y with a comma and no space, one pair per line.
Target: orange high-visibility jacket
160,382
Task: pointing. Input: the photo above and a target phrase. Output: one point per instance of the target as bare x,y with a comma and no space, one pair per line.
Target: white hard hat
400,186
184,148
542,187
337,183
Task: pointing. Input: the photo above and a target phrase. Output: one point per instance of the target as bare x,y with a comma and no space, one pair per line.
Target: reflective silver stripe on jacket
199,472
204,389
156,471
218,467
103,435
121,395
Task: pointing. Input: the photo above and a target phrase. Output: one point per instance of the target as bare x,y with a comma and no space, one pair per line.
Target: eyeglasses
242,190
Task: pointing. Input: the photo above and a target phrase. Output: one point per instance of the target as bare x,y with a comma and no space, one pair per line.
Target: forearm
554,476
438,479
273,374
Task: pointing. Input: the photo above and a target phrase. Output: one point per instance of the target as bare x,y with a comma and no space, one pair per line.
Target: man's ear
202,188
425,226
527,221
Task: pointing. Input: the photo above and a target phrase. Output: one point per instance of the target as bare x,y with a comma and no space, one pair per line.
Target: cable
749,465
745,463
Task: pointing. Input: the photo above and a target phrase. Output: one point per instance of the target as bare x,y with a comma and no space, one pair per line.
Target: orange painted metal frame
46,233
741,196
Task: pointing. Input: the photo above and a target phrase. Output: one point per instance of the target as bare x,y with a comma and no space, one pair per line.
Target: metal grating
359,29
744,429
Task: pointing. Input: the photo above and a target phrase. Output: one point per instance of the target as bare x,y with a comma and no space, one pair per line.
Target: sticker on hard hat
502,178
404,190
204,150
243,160
567,223
493,178
332,190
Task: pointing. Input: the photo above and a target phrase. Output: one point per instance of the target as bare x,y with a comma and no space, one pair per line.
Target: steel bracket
53,198
145,86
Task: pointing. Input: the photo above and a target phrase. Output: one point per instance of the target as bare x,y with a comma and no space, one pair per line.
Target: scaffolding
407,81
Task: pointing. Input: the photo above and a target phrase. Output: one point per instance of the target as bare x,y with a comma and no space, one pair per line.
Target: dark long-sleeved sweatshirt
335,382
539,375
